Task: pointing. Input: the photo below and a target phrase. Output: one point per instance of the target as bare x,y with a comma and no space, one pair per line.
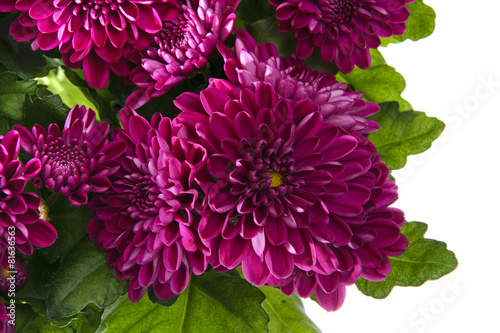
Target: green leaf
88,320
211,303
403,133
44,109
424,260
253,10
71,226
266,30
42,325
420,24
12,94
35,291
59,84
286,313
83,278
24,315
102,99
379,83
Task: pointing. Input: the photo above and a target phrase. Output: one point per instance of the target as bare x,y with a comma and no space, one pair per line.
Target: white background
454,187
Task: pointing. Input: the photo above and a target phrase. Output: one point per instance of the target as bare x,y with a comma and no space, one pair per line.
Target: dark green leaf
35,290
88,320
211,303
42,325
71,225
286,313
423,260
12,94
83,278
253,10
266,30
379,83
403,133
43,109
24,315
420,24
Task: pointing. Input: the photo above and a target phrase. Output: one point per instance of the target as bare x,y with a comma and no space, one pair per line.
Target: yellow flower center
276,178
5,273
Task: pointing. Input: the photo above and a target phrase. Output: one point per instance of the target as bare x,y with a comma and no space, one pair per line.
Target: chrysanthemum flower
147,220
250,63
181,47
285,190
20,225
94,34
76,162
5,326
14,278
363,250
344,30
290,197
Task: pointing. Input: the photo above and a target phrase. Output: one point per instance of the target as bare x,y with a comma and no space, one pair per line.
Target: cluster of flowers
270,170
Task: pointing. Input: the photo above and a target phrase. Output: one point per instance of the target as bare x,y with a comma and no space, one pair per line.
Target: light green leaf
101,99
58,84
424,260
403,133
420,24
83,278
379,83
211,303
286,313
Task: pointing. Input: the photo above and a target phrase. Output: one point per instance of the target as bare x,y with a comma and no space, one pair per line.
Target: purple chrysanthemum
250,63
76,162
14,278
6,320
363,251
20,224
181,47
95,34
344,30
287,192
147,220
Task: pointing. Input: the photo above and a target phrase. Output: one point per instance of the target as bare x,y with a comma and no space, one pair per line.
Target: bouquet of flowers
202,165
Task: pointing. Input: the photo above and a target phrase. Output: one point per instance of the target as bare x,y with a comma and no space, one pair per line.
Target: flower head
182,46
288,193
147,220
343,30
15,277
364,250
250,63
76,162
20,225
95,34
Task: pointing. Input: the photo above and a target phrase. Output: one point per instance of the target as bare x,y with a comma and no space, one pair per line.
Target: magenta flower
148,218
78,161
181,47
250,63
95,34
14,278
6,321
343,30
285,190
20,225
361,251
